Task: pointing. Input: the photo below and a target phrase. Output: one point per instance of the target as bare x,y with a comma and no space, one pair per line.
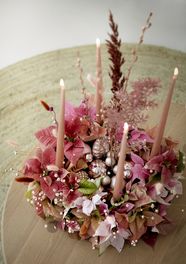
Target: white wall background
30,27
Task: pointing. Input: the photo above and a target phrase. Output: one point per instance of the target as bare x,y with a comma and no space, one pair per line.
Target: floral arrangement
80,195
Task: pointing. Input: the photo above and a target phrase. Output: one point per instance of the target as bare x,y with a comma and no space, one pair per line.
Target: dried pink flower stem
134,51
78,65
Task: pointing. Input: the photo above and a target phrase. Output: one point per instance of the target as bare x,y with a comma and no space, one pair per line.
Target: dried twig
78,65
134,51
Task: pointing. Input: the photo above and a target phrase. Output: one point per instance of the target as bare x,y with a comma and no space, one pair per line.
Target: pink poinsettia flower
33,167
39,169
158,193
139,135
69,188
167,159
87,205
72,121
75,150
105,227
92,132
108,237
166,163
138,170
139,196
86,111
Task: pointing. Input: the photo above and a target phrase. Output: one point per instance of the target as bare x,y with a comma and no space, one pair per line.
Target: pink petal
88,207
117,242
48,180
46,137
137,159
155,163
153,219
102,230
49,156
124,233
137,172
74,150
32,166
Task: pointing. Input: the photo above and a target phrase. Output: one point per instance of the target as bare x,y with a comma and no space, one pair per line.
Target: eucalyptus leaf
87,187
98,181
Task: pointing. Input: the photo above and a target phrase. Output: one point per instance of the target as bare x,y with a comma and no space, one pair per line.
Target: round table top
25,240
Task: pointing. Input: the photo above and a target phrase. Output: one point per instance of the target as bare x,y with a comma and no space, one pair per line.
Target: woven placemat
22,85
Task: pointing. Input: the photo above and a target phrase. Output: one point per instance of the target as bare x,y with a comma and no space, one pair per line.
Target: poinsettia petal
155,163
111,221
74,150
122,220
138,228
32,166
103,245
102,230
48,180
152,219
48,190
49,156
137,172
117,242
46,137
96,199
87,207
137,159
125,233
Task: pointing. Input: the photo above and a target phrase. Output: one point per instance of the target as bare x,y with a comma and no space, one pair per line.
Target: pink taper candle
119,184
99,82
161,126
61,128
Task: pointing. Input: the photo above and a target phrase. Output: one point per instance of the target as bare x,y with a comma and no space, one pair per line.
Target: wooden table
26,241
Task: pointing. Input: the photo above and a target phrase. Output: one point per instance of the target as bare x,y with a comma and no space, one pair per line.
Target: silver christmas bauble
110,161
100,147
97,168
89,157
113,181
115,169
106,181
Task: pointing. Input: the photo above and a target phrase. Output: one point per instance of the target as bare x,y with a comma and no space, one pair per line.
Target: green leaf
98,181
180,166
87,187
